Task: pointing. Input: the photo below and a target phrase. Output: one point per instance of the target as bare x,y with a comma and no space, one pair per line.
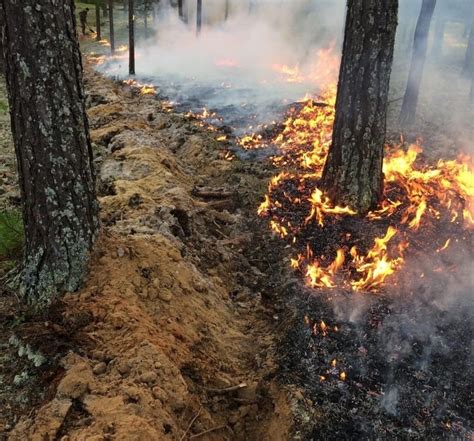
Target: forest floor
175,332
190,326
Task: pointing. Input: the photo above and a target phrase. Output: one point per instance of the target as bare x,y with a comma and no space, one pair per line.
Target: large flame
416,196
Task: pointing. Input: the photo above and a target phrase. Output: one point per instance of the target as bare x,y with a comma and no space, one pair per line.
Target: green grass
11,235
89,45
3,106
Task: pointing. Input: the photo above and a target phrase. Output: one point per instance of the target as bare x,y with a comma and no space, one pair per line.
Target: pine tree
52,145
353,171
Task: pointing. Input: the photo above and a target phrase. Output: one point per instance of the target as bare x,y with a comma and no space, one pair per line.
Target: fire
321,206
418,197
376,266
226,62
145,89
292,74
321,71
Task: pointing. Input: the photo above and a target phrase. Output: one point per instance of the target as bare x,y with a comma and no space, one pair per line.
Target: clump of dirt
171,338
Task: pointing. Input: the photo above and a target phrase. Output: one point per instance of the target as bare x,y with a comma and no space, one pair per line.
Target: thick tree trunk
52,145
469,60
131,37
111,27
199,17
98,35
420,46
353,171
2,63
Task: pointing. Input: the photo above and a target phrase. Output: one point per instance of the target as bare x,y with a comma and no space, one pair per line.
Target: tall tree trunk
472,86
180,9
2,63
226,13
131,37
52,145
438,40
469,60
153,13
353,171
111,27
145,18
98,35
420,46
199,17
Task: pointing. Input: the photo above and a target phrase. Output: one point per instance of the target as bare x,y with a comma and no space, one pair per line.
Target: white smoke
262,57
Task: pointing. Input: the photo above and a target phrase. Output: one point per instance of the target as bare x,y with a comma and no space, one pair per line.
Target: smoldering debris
406,355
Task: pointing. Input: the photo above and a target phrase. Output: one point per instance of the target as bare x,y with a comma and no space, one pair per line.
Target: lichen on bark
353,172
51,136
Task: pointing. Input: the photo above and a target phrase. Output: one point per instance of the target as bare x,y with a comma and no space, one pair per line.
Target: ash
406,355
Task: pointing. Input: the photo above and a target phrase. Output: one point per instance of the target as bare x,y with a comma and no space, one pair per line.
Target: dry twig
208,431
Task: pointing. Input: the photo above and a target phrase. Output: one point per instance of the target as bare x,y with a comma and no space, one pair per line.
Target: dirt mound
172,340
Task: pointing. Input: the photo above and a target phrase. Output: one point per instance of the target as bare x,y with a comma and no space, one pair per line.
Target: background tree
111,27
198,16
469,60
52,145
131,37
420,46
98,35
353,171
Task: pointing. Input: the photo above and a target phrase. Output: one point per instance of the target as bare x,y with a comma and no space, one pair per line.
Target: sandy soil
170,317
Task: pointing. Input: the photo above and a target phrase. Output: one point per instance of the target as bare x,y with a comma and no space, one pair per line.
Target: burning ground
203,319
382,340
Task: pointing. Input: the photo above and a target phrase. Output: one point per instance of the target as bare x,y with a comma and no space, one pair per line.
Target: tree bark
2,63
469,60
131,37
52,145
111,27
98,36
199,17
420,46
353,171
226,13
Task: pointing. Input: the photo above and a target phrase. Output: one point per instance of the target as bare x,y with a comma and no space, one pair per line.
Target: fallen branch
227,389
208,431
212,193
191,424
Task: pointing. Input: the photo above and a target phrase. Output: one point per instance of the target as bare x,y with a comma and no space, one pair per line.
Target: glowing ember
145,89
227,63
418,197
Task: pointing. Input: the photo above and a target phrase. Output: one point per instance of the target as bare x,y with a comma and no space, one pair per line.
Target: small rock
73,386
100,368
159,394
132,393
123,367
165,295
120,252
148,377
98,355
248,393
